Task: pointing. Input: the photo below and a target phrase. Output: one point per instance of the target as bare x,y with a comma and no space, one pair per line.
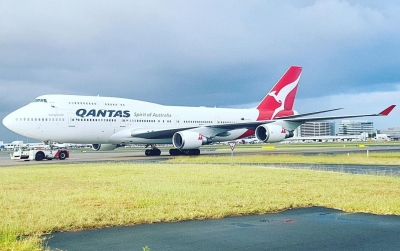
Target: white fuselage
94,119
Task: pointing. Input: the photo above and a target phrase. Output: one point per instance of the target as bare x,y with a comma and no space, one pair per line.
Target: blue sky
211,53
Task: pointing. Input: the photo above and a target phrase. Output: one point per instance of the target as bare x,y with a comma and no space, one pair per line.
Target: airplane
111,122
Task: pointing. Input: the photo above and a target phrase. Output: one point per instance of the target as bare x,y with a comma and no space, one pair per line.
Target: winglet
387,110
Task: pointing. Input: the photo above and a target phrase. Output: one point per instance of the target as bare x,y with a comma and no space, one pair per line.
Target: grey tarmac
313,228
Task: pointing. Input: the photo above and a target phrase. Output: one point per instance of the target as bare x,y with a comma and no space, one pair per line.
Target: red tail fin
284,91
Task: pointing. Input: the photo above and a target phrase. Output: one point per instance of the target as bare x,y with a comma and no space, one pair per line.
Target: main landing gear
176,152
154,151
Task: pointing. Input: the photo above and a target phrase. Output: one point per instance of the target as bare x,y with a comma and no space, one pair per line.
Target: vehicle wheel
39,156
62,155
147,152
157,152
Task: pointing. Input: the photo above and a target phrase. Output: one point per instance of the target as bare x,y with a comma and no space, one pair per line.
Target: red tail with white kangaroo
280,100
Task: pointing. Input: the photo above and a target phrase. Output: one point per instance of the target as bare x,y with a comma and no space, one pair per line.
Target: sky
202,53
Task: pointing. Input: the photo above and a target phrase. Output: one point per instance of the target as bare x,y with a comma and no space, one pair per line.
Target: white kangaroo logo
281,97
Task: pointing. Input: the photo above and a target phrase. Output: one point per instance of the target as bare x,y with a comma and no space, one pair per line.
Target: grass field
42,199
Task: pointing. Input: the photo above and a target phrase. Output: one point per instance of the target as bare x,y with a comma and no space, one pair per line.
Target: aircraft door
71,120
123,123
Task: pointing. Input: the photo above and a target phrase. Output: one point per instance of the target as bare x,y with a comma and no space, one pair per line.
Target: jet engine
189,140
272,133
103,147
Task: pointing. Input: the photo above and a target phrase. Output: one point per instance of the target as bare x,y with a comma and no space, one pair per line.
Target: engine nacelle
103,147
189,140
272,133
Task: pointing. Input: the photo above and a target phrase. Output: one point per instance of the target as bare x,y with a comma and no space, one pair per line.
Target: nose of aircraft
8,121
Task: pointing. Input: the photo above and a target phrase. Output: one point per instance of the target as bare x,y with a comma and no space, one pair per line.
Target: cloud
21,93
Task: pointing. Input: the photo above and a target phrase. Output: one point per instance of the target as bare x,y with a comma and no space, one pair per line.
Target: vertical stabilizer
282,95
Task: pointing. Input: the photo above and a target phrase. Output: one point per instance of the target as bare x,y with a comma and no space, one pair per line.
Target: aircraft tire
39,156
192,152
153,152
174,152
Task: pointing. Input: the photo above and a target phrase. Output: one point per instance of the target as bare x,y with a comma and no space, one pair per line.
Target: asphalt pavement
313,228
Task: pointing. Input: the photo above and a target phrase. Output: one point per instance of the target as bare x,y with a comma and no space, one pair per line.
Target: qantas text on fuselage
109,122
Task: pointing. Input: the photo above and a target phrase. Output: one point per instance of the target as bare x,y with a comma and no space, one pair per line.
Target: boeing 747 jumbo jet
109,122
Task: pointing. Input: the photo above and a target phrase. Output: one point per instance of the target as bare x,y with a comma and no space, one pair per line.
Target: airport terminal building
354,127
393,132
311,129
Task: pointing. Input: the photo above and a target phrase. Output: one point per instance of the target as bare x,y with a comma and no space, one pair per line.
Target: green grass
42,199
12,240
387,158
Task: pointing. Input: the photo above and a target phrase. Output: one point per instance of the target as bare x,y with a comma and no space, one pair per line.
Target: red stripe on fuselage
246,134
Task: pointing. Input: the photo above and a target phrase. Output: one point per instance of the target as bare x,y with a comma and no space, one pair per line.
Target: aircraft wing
158,133
300,118
206,130
214,130
304,120
309,113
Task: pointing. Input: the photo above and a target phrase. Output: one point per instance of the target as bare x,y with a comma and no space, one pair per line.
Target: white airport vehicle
38,153
110,122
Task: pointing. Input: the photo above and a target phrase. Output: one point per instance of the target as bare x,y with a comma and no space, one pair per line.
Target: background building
353,127
393,132
310,129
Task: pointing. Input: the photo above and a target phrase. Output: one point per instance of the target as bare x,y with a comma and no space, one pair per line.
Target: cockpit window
43,100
